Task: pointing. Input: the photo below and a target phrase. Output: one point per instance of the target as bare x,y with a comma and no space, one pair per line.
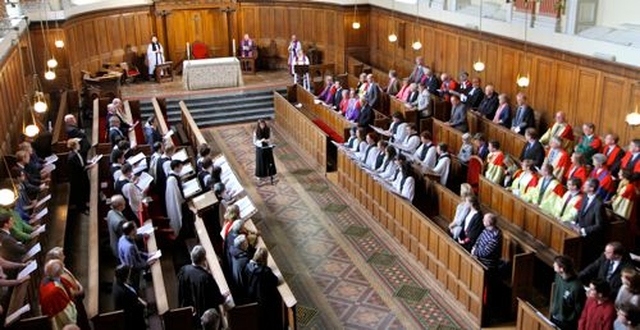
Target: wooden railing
162,303
455,269
301,129
191,128
317,73
447,134
559,237
332,118
92,295
59,136
161,123
396,105
530,318
510,143
133,139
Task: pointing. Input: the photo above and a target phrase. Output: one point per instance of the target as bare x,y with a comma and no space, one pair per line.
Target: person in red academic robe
631,162
602,174
624,201
524,179
560,129
558,158
55,301
613,152
599,311
448,84
577,168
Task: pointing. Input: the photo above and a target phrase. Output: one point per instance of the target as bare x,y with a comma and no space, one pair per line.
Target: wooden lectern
164,72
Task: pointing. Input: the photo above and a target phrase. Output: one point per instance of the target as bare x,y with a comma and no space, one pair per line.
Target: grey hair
198,254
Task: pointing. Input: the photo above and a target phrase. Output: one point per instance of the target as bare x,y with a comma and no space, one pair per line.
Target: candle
233,46
188,52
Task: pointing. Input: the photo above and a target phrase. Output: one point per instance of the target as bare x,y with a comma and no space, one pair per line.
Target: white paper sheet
28,269
147,229
180,155
16,315
135,159
41,214
43,200
33,251
144,180
191,188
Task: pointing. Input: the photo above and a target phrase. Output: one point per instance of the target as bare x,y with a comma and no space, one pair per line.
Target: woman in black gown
265,165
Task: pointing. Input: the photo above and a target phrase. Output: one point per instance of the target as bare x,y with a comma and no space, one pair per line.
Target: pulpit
164,72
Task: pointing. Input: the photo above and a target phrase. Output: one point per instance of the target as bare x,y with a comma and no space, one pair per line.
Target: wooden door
205,25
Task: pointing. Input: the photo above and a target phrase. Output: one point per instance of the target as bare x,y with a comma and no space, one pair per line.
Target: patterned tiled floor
345,270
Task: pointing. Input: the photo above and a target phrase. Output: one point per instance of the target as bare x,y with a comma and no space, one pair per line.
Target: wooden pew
454,268
552,233
109,321
161,123
99,133
510,142
301,129
395,105
191,128
59,135
447,134
333,119
317,72
159,290
529,318
92,291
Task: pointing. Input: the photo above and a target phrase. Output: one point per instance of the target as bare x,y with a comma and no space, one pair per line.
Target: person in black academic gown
126,298
265,164
196,285
262,287
78,176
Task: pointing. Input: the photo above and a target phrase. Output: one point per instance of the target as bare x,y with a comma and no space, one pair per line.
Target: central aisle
345,270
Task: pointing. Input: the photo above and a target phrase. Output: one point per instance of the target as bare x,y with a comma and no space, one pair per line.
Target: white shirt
388,171
132,194
408,188
401,132
369,160
411,143
442,169
429,160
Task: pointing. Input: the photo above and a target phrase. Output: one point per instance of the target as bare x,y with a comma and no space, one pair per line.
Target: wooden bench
161,123
334,120
92,291
529,318
313,140
461,275
59,135
99,134
510,143
191,128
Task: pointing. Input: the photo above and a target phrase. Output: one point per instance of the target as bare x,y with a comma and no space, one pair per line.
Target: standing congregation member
488,247
548,192
495,163
55,301
524,115
174,198
613,152
426,153
247,46
418,71
262,287
599,312
151,133
295,46
558,158
589,143
372,94
155,55
397,129
568,296
533,149
590,220
115,220
265,164
394,84
462,209
443,163
503,113
300,58
566,210
489,103
472,225
473,95
78,176
129,254
126,298
608,267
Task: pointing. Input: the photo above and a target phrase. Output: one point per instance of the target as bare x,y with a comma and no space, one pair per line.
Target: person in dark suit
372,94
115,131
473,95
262,287
608,267
11,250
366,116
431,81
78,177
472,225
126,298
74,132
481,145
151,134
458,115
590,221
412,99
489,103
533,149
524,115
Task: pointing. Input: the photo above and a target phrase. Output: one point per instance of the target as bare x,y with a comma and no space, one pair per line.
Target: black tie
545,184
564,206
610,271
425,149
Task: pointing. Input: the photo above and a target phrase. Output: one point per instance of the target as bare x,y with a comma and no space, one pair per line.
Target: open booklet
380,130
180,155
135,159
191,188
187,170
247,209
144,180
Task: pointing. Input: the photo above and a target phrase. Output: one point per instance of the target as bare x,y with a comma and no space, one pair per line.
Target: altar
212,73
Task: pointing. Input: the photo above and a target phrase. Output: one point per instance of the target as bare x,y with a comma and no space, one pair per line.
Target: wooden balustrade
529,318
333,119
128,117
302,130
510,143
395,105
92,291
552,233
454,268
318,72
191,128
447,134
59,135
161,122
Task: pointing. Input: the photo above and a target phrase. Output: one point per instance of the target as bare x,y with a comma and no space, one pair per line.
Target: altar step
221,109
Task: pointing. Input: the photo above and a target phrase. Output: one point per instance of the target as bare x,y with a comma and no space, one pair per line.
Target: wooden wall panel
543,85
564,89
587,109
613,106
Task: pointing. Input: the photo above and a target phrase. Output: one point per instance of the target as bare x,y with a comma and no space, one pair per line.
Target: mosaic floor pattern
344,268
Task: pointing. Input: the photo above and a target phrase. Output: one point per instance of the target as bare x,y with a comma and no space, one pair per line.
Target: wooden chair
199,50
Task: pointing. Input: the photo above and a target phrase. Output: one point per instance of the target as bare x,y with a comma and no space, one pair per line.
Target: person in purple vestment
328,92
294,47
247,46
353,107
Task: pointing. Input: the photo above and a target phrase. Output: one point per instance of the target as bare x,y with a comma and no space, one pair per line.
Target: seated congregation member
589,143
366,115
404,184
631,162
548,192
388,168
466,149
481,145
11,249
488,104
129,255
126,298
262,288
560,129
353,107
524,117
78,177
462,209
558,158
115,220
448,84
372,95
524,179
394,84
55,302
568,296
411,141
613,152
443,164
397,130
337,96
599,312
473,95
328,91
608,267
412,99
418,72
566,210
426,153
590,220
115,131
458,115
495,163
488,247
125,186
472,225
151,134
204,151
577,168
503,112
623,202
174,200
196,285
464,85
240,256
533,149
602,174
368,155
74,132
405,90
72,284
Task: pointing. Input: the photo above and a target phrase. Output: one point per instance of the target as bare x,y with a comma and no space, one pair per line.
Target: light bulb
523,81
633,119
355,25
49,75
40,107
416,45
52,63
393,37
31,130
59,43
478,66
7,197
